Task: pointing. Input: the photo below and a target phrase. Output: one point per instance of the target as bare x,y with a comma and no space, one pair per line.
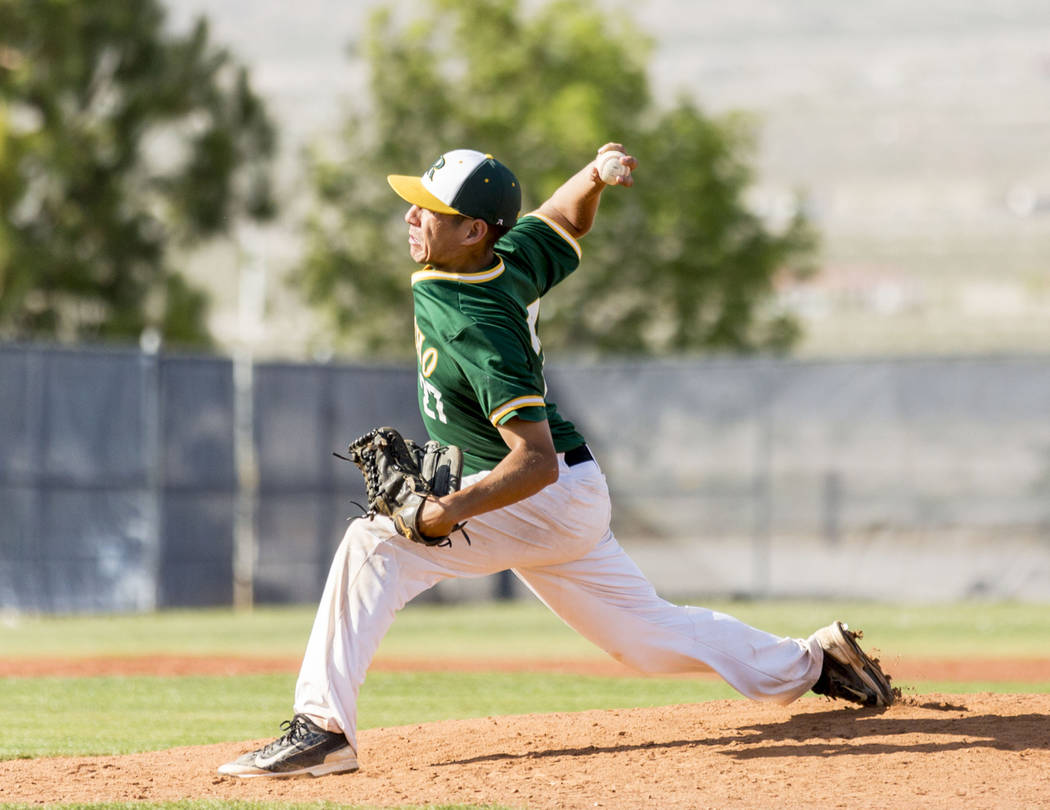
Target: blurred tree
118,141
677,263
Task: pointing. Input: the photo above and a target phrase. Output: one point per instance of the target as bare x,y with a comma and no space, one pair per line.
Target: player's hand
625,166
435,519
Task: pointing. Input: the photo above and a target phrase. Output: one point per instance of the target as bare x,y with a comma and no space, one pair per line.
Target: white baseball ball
609,166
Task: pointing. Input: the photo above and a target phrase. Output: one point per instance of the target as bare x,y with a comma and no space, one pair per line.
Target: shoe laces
295,729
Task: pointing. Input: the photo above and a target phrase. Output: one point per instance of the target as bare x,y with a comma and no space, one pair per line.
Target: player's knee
360,536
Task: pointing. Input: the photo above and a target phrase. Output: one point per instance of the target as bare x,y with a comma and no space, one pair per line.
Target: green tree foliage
677,263
118,142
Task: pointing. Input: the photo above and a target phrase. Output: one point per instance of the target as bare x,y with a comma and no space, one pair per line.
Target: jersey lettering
419,337
428,361
427,358
533,318
431,393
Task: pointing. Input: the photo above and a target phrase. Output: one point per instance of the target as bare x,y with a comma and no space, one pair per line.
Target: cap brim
411,190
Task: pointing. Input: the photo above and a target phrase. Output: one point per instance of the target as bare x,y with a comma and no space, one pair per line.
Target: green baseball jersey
477,347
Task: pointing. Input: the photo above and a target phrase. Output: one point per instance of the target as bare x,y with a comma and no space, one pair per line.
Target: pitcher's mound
931,751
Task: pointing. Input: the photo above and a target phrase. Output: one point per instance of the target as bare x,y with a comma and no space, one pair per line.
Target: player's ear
477,233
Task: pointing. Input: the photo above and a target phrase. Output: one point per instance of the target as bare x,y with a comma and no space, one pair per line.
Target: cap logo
465,182
439,163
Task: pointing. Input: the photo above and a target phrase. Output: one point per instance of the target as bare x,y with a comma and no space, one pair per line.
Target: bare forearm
520,474
574,205
530,464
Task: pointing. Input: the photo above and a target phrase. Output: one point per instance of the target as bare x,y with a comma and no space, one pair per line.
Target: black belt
578,455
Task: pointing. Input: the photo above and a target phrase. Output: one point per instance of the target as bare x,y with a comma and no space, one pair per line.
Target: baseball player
532,490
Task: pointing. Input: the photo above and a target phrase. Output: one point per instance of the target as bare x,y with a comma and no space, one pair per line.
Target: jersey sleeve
541,248
506,379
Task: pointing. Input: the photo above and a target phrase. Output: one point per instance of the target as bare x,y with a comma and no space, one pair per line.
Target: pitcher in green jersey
535,497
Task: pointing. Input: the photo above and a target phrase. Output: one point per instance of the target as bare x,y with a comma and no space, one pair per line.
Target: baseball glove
400,475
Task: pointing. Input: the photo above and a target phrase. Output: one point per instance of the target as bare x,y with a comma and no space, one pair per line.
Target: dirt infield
1023,670
928,751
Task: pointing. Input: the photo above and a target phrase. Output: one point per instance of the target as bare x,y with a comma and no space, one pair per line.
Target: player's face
436,239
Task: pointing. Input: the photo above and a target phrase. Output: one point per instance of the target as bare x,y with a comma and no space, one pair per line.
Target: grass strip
522,629
103,715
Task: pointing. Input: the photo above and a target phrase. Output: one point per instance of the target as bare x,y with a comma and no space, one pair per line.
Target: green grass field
521,630
101,715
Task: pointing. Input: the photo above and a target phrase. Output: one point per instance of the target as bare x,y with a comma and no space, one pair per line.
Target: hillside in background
917,135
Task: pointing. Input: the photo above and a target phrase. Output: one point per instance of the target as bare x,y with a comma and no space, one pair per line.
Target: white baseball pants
559,543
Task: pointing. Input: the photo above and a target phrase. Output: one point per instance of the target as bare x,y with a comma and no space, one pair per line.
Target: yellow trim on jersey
428,273
513,405
558,229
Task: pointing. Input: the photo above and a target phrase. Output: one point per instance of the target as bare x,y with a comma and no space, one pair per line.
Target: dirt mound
931,751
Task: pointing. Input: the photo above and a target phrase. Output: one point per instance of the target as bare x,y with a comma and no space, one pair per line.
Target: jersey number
430,393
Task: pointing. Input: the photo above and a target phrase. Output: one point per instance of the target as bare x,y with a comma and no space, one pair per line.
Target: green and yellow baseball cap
467,182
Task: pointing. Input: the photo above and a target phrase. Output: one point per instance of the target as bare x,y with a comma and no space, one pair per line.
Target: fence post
762,485
251,309
149,364
247,482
